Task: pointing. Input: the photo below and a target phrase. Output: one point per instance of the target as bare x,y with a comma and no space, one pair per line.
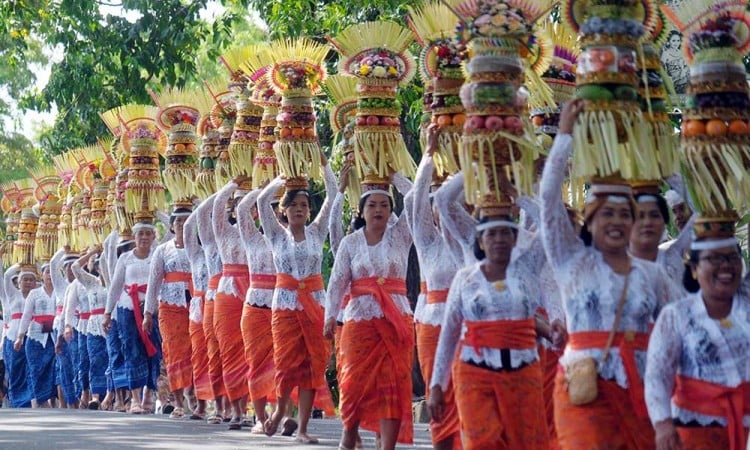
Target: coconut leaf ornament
45,192
28,221
223,115
342,92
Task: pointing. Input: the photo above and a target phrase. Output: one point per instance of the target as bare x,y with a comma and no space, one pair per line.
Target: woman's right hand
344,176
436,403
666,436
569,114
329,329
107,322
433,132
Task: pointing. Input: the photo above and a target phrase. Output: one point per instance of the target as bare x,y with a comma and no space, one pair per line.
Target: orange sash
510,334
234,270
213,282
382,289
304,289
262,281
434,297
199,294
179,277
713,399
133,290
423,288
627,342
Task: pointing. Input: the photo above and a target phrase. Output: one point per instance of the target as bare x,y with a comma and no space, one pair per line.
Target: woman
377,338
438,266
141,350
697,371
199,355
230,296
61,262
96,342
256,314
37,323
76,313
204,212
167,296
19,385
605,293
300,351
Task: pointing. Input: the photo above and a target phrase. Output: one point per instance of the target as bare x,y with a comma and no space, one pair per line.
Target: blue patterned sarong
83,361
98,362
116,359
41,362
139,369
19,389
66,375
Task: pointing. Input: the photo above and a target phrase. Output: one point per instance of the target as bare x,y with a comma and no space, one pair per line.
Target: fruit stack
10,196
342,92
102,171
23,246
715,138
265,166
178,116
142,140
296,74
375,53
498,137
560,76
205,182
610,135
45,193
434,25
223,115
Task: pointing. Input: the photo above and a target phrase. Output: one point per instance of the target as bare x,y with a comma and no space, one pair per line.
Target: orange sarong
713,399
607,422
227,318
300,352
500,409
378,354
549,359
427,339
627,343
258,340
212,345
174,327
705,438
199,355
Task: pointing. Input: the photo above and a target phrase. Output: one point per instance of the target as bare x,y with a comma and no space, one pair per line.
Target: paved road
27,429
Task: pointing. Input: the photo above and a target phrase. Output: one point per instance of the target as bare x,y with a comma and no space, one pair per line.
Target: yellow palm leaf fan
342,93
223,115
47,182
23,246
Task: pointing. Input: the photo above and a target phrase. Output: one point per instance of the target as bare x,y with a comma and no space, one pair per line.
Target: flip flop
215,420
235,423
288,426
178,413
94,405
197,416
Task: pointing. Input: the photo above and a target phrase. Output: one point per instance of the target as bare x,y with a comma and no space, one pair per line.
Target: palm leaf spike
368,35
432,21
259,57
342,91
234,58
111,120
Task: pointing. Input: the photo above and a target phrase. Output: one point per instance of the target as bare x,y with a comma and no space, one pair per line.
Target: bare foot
304,438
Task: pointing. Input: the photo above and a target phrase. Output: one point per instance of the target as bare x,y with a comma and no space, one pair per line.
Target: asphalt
44,429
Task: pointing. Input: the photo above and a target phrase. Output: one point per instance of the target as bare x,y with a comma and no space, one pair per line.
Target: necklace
725,322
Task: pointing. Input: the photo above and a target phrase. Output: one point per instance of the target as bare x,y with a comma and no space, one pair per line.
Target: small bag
582,375
47,326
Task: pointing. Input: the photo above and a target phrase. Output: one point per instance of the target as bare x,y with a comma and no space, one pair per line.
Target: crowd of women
558,331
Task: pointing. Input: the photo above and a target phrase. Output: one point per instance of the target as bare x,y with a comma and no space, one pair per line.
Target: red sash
382,289
262,281
435,297
97,312
84,316
43,318
713,399
133,290
501,334
304,289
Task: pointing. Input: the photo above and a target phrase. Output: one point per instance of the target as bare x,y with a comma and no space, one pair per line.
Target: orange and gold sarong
378,355
258,340
300,350
199,355
227,318
212,345
549,361
607,422
500,409
713,399
174,327
705,438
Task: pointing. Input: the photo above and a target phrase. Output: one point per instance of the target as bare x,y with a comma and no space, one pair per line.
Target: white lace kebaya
257,250
298,259
356,260
130,270
167,258
456,224
77,310
198,267
589,287
97,299
208,241
227,238
687,342
38,303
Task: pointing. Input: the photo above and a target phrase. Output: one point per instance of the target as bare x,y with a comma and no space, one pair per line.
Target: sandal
135,408
94,405
167,409
258,429
248,422
235,423
197,416
288,427
305,439
216,419
177,413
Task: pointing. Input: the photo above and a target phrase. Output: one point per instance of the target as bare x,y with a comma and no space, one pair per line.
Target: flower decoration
377,63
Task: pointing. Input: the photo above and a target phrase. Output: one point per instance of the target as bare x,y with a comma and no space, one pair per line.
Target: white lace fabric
297,259
227,238
590,289
207,238
686,341
96,295
76,302
130,270
456,224
198,267
167,258
257,250
38,303
473,298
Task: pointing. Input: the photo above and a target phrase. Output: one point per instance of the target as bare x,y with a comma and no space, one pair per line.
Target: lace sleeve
339,282
245,221
205,224
190,238
456,224
86,279
664,350
118,284
11,290
418,211
220,223
59,283
335,223
272,229
449,333
112,256
401,227
155,280
531,211
103,268
71,304
320,224
28,311
685,238
558,235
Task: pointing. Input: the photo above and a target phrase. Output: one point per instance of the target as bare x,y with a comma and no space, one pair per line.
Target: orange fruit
285,132
693,128
310,132
179,147
298,132
737,127
459,119
716,127
538,121
444,120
